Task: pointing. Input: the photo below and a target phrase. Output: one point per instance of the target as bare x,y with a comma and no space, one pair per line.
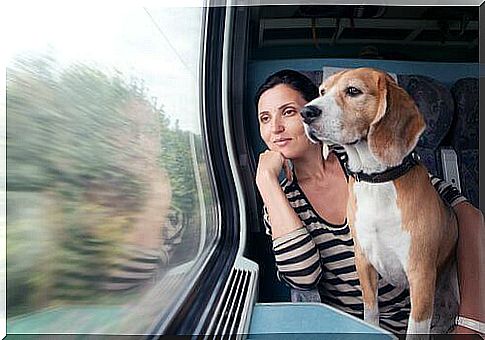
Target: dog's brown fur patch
432,225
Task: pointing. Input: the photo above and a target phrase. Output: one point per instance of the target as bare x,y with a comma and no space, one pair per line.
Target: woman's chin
288,154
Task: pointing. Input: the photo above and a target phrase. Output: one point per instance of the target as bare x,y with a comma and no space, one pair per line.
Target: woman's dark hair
294,79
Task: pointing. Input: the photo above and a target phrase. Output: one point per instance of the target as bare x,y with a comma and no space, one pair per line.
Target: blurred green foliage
78,143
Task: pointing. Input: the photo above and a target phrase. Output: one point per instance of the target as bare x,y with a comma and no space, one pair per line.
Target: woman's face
280,123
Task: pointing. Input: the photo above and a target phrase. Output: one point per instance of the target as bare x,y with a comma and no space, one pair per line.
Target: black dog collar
387,175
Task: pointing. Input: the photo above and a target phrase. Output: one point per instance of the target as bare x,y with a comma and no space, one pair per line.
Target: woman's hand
270,165
284,219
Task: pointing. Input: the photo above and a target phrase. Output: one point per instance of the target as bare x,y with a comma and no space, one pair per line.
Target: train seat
435,102
465,134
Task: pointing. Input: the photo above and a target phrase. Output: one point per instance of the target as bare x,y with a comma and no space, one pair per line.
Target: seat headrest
435,102
464,133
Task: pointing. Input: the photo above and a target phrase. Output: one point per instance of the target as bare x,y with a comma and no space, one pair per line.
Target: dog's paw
371,316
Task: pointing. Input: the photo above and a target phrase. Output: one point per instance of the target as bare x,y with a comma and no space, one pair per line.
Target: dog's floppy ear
396,128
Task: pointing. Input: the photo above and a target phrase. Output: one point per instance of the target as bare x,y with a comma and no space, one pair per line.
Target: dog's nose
309,113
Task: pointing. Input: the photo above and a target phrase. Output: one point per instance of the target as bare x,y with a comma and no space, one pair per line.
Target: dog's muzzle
310,113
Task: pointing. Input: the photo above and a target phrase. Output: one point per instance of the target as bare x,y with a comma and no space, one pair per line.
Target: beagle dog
401,227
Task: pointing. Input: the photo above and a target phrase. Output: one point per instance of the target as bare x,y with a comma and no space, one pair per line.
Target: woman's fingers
272,162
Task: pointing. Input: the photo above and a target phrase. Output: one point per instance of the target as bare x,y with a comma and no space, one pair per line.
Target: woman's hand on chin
269,167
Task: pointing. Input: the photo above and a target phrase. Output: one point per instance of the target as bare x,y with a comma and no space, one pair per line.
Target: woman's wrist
267,181
464,325
471,311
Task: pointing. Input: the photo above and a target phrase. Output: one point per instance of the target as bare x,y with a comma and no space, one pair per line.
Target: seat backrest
435,102
464,135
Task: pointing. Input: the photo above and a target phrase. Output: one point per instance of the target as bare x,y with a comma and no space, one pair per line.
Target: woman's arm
470,252
471,263
297,257
283,218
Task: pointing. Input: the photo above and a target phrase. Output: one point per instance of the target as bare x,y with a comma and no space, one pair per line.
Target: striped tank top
321,254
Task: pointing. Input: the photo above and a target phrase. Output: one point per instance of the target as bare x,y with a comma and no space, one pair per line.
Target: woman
306,213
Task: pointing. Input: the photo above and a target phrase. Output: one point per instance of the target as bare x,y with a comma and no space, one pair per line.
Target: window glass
110,211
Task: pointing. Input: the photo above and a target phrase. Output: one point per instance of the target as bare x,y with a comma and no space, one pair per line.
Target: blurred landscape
101,187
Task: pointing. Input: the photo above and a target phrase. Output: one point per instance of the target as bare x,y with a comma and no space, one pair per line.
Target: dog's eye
353,91
322,92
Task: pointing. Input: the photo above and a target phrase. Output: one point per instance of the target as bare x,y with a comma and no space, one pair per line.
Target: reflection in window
107,194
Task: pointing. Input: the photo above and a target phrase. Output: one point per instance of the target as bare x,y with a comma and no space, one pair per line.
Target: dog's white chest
379,232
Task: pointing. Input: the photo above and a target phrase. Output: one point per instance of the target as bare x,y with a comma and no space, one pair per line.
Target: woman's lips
282,142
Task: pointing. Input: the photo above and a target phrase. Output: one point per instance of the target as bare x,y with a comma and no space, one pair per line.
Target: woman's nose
277,125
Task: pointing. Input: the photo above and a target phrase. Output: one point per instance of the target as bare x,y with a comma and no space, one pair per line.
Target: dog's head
365,104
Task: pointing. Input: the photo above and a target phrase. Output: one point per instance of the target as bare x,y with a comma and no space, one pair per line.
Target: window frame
193,312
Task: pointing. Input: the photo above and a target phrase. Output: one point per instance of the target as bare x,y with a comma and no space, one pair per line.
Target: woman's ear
397,125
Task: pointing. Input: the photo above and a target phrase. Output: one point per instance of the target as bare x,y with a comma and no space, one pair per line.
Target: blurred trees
88,156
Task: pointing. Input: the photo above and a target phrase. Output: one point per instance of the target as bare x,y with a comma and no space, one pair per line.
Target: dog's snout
310,112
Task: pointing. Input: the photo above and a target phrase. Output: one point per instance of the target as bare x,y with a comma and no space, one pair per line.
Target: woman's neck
311,165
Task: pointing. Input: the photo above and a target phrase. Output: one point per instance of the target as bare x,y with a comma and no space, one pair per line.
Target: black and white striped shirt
321,254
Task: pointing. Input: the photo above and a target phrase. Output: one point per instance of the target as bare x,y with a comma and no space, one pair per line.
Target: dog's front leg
368,282
422,283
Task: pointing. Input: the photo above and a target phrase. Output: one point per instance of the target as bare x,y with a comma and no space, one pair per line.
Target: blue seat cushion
468,160
435,102
464,134
430,159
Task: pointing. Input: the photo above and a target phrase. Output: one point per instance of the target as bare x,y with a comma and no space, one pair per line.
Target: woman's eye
289,112
264,119
322,92
353,91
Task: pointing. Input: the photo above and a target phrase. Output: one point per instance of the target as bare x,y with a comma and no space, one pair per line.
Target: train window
110,204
